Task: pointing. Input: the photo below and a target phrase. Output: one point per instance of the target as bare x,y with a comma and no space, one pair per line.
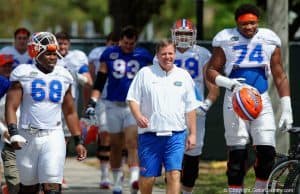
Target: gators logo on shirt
234,38
178,83
113,56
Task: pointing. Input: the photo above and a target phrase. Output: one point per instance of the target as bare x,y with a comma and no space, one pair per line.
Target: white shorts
100,112
118,117
200,137
261,130
42,158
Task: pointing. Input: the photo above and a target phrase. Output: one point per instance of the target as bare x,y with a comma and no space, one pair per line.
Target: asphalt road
83,178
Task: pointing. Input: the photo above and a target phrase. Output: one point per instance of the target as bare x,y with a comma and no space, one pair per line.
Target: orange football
247,103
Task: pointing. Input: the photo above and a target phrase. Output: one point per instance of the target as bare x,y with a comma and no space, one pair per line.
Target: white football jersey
247,52
193,60
75,61
19,58
43,95
94,57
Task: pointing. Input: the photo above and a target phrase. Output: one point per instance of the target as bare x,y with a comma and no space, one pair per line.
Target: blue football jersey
4,85
122,67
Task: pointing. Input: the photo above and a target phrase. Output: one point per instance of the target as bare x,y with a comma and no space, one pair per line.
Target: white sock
186,192
259,186
134,174
104,168
235,190
117,178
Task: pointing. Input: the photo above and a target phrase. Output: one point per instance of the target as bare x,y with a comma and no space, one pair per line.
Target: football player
76,62
250,53
103,149
118,65
43,91
193,58
12,182
19,49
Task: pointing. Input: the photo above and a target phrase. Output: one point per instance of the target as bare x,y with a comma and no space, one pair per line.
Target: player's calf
29,189
51,188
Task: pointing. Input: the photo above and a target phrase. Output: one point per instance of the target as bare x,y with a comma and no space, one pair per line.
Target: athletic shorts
100,112
157,151
42,158
119,117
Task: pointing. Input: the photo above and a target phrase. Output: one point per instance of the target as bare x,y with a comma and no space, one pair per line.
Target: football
247,103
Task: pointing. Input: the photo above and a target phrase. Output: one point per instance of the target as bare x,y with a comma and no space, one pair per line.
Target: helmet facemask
183,33
41,42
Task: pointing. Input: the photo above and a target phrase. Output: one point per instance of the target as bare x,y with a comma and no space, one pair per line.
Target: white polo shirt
164,98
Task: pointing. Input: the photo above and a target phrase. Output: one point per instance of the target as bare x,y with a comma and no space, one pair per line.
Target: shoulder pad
268,36
61,71
23,72
224,37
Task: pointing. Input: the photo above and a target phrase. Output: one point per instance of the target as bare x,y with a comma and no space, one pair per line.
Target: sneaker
64,184
117,190
105,181
134,187
104,185
4,189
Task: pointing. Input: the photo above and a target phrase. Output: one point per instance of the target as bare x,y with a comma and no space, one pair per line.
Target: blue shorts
155,151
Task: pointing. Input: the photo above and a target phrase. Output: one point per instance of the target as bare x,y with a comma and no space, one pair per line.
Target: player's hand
286,118
17,141
237,83
90,110
5,137
89,113
81,152
142,121
191,142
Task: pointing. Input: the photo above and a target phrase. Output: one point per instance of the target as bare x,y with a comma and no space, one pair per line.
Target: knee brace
265,158
100,153
190,170
51,188
236,166
24,189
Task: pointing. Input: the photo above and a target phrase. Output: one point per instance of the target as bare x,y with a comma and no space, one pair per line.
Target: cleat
105,182
117,190
104,185
134,187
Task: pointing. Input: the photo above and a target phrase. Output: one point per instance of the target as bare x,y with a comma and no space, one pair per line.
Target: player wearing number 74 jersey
43,92
250,53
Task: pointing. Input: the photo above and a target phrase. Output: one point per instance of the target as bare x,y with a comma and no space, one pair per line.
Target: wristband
12,129
208,102
78,140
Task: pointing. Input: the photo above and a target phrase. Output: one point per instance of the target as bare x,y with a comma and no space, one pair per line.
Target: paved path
83,178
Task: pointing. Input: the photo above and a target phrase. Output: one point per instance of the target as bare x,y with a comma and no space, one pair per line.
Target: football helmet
184,33
40,42
247,103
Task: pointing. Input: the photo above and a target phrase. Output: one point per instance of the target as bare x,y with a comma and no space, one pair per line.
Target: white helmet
40,42
184,33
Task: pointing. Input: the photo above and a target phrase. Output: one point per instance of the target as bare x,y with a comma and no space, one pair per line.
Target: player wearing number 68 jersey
250,54
43,92
118,65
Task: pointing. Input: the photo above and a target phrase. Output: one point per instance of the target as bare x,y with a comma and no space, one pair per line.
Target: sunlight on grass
212,179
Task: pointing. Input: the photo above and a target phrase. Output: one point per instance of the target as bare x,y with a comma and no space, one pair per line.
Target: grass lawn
213,180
